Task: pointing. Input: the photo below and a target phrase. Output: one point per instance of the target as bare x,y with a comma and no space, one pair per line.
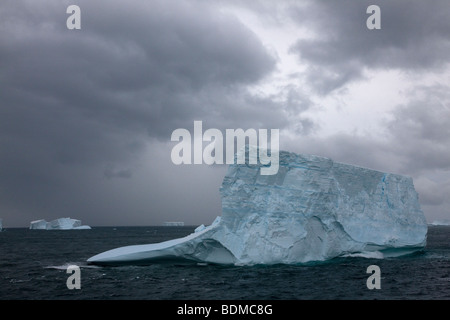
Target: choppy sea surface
33,266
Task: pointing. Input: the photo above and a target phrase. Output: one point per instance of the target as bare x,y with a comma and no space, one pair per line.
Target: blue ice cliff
313,209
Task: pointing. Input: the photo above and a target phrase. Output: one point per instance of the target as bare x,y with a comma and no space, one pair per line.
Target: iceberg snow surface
313,209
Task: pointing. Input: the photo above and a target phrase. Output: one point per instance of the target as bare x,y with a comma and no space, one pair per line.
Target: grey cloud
296,102
132,68
414,36
432,192
420,130
81,105
348,148
111,172
417,141
80,110
149,72
416,145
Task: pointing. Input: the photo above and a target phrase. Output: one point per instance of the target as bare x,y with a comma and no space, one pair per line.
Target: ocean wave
66,265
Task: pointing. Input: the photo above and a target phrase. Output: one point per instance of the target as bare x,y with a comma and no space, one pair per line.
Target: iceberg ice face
63,224
38,225
58,224
313,209
316,209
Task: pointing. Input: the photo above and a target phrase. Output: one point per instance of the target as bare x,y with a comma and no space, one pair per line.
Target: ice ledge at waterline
313,209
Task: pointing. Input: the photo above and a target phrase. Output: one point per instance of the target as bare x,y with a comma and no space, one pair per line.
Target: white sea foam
366,254
66,265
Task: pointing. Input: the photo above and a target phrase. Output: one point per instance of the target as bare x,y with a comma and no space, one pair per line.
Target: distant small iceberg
85,227
440,223
58,224
173,224
1,224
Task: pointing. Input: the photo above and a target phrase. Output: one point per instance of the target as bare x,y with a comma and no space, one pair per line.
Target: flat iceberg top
312,209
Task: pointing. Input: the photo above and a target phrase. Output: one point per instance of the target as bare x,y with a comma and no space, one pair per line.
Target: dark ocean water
33,266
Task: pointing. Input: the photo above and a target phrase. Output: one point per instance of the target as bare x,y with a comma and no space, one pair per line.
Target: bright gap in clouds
277,34
364,107
360,108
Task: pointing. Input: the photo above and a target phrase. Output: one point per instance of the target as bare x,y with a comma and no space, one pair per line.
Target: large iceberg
58,224
313,209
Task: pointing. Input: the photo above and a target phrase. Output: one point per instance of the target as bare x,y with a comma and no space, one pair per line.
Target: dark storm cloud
80,105
86,115
154,66
414,36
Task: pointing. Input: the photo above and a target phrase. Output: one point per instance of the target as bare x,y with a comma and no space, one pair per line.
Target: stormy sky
86,115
